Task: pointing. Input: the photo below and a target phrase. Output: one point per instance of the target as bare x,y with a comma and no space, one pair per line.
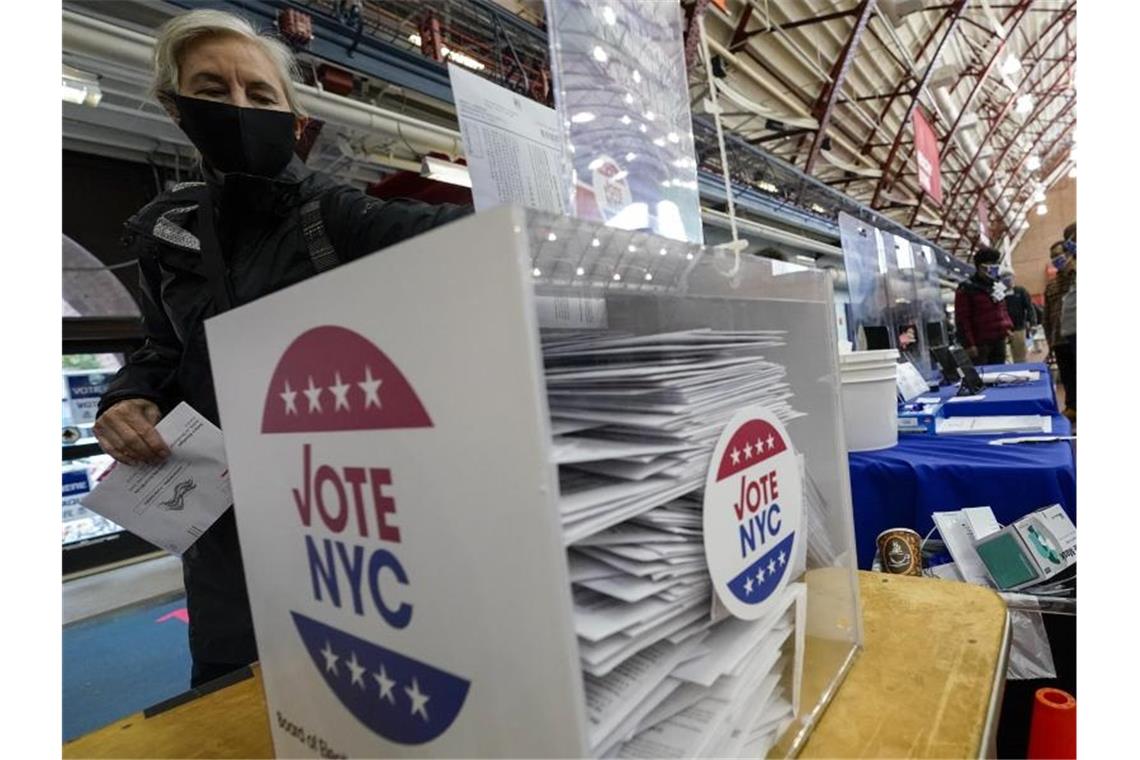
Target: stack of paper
635,418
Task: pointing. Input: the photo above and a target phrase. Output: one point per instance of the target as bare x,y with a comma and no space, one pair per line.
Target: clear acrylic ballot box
530,486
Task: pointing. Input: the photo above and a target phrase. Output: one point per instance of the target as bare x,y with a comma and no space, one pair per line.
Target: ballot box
526,485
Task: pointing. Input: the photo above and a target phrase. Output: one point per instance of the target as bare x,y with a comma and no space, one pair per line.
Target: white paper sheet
1011,376
610,700
175,501
511,143
1026,423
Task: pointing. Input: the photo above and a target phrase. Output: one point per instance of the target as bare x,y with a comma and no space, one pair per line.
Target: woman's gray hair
181,30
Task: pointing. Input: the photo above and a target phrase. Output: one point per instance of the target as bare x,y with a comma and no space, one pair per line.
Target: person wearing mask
1061,316
1021,313
260,222
980,313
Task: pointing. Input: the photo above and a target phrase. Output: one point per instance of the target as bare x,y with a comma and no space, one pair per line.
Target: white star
771,567
340,391
771,442
783,557
760,575
313,393
735,454
748,587
419,699
759,444
748,451
371,389
357,670
330,659
386,685
290,398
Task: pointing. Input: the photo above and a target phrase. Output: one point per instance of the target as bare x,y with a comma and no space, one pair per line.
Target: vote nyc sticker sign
752,509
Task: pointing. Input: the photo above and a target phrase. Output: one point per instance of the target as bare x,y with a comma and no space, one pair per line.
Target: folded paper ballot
172,502
635,419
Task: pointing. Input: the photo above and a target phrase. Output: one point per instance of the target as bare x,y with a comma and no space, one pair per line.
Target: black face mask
255,141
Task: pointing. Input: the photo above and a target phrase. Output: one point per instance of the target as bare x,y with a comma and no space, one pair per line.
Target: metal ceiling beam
1011,23
879,39
901,87
1048,170
1052,122
977,194
998,121
741,37
792,88
825,104
954,15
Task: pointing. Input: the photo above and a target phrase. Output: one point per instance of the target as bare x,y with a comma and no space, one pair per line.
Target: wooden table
927,684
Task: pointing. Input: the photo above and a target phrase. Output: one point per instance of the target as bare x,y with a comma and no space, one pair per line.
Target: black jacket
259,230
1021,309
264,249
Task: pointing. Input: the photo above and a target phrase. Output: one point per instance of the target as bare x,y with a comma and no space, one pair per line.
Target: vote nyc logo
330,383
752,509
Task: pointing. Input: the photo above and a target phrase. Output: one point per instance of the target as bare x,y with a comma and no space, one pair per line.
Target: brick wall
1032,252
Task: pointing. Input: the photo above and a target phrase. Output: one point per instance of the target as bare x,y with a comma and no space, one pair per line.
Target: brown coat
1054,292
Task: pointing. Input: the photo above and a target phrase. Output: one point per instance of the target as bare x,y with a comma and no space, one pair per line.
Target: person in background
1021,313
1061,317
261,221
980,313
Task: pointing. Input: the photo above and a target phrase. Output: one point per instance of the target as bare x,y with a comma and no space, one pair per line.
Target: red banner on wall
926,153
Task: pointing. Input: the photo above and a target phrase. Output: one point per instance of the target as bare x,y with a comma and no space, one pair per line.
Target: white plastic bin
870,399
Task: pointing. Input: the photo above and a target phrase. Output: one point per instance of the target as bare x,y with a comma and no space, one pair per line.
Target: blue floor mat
123,662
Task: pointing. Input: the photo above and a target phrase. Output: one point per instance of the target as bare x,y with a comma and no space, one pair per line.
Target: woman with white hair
260,222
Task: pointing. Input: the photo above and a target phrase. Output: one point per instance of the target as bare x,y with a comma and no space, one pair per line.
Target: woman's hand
126,432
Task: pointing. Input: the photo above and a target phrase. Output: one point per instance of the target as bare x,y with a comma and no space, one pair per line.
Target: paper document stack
635,419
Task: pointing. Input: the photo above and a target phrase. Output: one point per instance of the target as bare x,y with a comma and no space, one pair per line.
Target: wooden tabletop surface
924,686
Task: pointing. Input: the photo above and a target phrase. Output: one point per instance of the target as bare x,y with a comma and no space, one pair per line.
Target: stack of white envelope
635,420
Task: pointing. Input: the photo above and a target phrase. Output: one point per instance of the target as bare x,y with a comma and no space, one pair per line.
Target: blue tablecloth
903,486
1037,397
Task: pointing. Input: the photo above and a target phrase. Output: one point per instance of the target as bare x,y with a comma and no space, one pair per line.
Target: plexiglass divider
644,285
539,402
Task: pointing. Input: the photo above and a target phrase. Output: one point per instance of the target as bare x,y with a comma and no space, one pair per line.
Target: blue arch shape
391,713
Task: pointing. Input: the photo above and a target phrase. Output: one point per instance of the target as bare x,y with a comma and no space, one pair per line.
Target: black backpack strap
321,251
211,249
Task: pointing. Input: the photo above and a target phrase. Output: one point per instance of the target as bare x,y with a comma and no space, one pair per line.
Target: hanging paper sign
752,508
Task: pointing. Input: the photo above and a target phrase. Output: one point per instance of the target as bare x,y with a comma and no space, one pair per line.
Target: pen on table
1050,439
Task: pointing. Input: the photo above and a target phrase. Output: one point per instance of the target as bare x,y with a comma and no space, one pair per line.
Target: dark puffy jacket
260,233
259,230
980,319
